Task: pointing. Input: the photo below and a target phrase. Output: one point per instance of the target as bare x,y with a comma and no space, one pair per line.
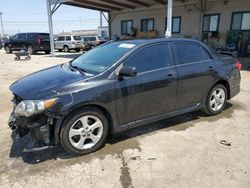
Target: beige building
213,22
222,24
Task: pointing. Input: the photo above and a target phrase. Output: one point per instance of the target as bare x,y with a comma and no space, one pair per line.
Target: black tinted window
76,37
68,38
31,35
206,54
21,36
60,38
150,58
187,53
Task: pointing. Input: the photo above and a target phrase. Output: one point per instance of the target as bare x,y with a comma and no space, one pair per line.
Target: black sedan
118,86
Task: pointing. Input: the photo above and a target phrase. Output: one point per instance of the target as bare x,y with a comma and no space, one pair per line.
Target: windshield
101,58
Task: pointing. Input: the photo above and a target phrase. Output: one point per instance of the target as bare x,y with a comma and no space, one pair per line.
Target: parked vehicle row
118,86
35,42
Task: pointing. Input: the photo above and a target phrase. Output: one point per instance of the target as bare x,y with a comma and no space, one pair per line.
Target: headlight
31,107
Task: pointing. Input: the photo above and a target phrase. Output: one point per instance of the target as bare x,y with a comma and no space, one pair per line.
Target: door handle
170,77
211,68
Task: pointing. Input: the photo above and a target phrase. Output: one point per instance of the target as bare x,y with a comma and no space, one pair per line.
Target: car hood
44,83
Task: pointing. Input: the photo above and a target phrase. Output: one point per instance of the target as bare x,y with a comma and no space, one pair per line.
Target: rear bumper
234,83
42,48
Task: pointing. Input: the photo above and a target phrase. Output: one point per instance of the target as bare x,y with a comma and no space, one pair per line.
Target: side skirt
145,121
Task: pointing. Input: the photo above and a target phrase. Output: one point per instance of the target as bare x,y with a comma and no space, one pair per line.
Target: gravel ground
184,151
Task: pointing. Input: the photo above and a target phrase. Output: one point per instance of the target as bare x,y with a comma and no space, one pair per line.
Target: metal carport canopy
107,6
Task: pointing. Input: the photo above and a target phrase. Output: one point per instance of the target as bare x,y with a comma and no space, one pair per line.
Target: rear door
153,90
195,72
60,41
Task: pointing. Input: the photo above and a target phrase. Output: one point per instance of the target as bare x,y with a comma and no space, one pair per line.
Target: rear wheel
47,52
216,100
8,50
66,48
30,50
84,131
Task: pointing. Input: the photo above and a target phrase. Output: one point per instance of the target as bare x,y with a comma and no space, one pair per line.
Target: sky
31,16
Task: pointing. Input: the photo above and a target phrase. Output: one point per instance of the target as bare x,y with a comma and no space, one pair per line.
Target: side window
187,53
21,36
150,58
60,38
68,38
16,36
31,35
206,55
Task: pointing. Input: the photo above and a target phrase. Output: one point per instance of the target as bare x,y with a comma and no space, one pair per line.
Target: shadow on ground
118,143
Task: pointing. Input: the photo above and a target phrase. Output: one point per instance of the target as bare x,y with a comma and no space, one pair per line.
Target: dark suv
117,86
33,42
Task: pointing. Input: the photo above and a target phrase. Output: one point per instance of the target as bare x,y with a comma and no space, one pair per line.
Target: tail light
38,40
238,65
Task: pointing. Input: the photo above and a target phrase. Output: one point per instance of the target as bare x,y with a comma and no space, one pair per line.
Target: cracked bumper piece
37,126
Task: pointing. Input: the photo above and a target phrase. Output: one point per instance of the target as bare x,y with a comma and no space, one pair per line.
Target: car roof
33,33
162,39
142,42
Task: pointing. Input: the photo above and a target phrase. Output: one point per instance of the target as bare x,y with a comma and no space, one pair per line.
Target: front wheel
84,131
216,100
8,50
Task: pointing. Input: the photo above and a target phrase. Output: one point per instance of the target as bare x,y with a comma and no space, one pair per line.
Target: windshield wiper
79,69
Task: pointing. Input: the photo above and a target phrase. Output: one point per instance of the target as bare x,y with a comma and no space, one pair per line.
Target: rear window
31,35
91,39
187,53
77,38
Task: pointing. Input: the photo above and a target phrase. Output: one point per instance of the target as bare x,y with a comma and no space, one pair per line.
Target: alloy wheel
86,132
217,99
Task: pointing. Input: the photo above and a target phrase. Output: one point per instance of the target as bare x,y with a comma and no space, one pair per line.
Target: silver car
68,42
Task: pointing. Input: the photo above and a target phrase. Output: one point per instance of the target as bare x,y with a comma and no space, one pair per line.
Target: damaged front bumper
40,127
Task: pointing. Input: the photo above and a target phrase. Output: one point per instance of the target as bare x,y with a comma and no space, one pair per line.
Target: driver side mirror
127,72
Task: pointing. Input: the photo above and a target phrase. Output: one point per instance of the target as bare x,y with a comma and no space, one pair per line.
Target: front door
153,90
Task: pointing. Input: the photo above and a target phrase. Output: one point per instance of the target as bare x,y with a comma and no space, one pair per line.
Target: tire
216,100
8,50
66,49
80,138
59,50
30,50
47,52
77,50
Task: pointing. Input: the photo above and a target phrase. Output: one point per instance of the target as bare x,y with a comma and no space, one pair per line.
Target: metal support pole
2,23
100,18
109,24
52,47
169,18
